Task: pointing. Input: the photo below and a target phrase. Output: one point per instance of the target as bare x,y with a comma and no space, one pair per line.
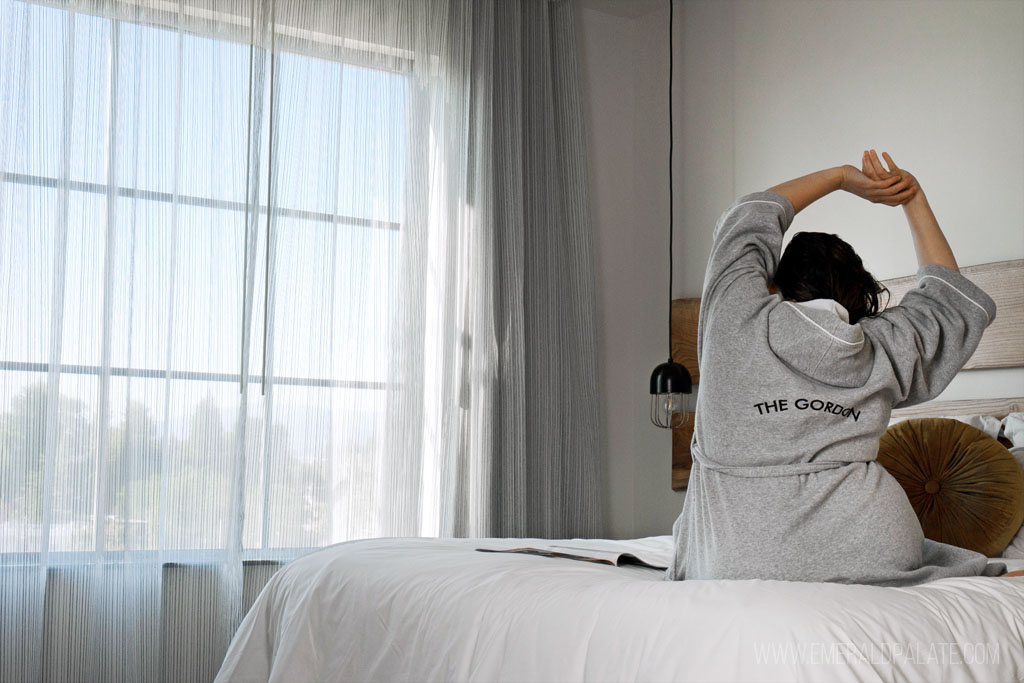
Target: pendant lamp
670,381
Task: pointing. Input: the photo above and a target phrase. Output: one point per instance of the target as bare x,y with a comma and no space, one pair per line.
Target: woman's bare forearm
805,190
929,242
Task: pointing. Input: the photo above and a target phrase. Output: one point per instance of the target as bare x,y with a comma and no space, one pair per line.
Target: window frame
337,49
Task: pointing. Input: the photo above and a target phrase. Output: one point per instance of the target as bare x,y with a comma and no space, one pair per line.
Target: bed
439,610
415,609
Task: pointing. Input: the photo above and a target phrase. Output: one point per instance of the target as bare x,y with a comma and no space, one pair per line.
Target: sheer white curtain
276,274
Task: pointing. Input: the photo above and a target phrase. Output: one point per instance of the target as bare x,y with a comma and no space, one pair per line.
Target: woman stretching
800,371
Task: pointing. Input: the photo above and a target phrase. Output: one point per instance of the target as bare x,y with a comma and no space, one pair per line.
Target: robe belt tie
758,471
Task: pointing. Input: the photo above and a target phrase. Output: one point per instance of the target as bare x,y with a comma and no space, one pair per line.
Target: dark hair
816,265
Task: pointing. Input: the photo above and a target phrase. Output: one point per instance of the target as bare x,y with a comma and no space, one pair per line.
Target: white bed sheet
437,610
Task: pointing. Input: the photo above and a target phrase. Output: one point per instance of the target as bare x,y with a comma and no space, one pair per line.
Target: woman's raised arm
929,242
891,189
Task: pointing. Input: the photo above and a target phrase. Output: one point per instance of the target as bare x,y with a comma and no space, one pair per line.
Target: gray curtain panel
548,450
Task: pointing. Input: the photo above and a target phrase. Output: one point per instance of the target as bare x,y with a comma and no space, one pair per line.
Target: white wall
629,187
767,90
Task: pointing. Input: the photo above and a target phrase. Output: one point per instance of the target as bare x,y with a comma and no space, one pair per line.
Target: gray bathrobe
792,403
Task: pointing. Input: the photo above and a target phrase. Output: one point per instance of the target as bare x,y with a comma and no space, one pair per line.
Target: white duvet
437,610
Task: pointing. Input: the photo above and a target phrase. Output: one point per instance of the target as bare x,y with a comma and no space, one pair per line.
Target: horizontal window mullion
229,27
168,558
20,366
191,200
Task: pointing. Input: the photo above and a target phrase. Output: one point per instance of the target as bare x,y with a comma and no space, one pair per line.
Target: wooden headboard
1002,346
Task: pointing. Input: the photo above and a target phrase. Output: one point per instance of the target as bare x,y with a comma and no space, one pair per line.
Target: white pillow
986,423
1013,428
1016,548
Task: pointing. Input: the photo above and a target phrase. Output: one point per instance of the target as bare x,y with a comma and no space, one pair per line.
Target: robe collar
816,339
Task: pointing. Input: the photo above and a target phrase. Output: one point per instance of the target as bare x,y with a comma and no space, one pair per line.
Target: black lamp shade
669,382
671,378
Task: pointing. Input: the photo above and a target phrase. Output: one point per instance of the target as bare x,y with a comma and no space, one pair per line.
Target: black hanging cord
671,141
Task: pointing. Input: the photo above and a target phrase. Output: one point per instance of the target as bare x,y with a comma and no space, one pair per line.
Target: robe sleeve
930,336
745,252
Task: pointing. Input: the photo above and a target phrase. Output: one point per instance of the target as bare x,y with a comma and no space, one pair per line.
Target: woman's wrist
841,173
919,200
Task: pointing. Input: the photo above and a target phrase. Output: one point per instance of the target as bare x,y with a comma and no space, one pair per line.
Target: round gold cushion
966,488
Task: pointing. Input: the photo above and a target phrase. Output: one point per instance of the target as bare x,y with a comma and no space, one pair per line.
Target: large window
182,215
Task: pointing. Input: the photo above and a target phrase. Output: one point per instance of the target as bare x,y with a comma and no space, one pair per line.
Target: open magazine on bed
607,553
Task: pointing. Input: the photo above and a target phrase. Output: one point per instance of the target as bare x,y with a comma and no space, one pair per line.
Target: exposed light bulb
667,410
